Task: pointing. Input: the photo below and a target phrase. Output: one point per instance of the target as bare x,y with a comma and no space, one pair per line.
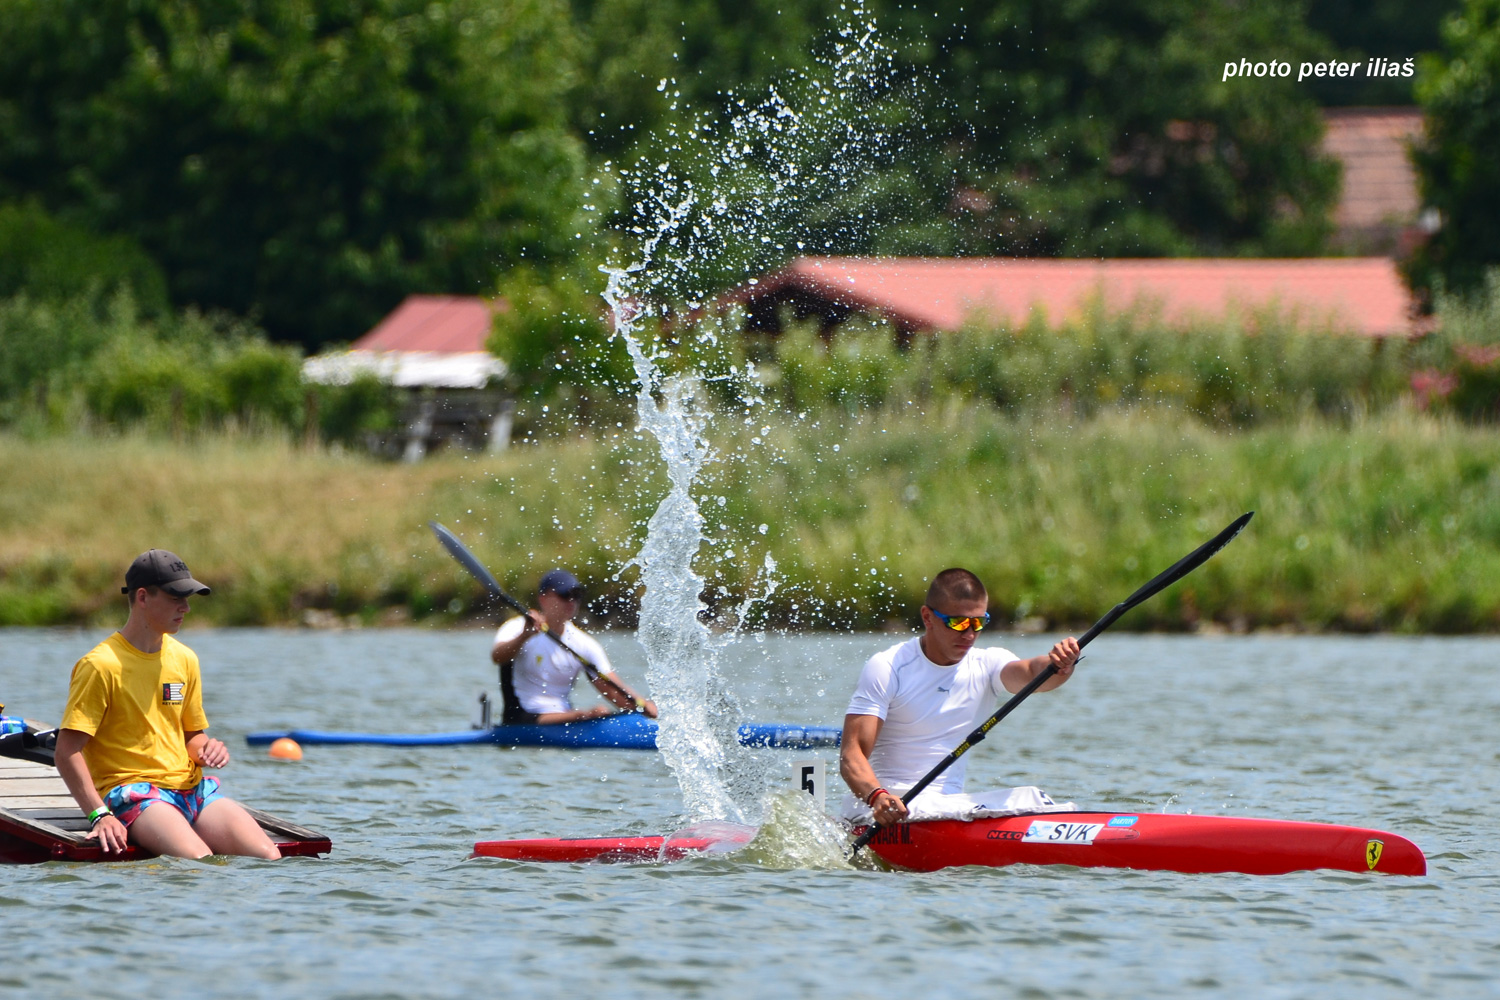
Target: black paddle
1157,584
476,569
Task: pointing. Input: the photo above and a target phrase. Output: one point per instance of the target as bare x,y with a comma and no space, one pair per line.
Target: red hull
1149,841
593,848
704,837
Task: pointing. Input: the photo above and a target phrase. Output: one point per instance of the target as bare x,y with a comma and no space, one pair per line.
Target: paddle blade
1170,575
862,840
1191,561
476,569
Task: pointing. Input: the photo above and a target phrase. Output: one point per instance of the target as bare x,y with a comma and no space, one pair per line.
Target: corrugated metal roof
433,323
1360,295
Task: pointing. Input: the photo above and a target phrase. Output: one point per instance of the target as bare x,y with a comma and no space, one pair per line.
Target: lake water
1393,733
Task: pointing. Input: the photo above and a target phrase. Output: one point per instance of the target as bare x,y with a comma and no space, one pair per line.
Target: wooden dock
39,821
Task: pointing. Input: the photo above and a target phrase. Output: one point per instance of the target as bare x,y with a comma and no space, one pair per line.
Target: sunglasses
959,623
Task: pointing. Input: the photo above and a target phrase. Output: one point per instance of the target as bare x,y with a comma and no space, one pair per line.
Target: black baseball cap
160,568
560,582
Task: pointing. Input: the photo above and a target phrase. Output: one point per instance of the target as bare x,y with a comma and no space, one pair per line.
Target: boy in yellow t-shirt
131,745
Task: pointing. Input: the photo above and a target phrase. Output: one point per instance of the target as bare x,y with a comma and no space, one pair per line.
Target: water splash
770,583
698,720
795,833
735,194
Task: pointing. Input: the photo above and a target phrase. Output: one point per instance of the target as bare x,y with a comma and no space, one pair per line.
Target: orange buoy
286,749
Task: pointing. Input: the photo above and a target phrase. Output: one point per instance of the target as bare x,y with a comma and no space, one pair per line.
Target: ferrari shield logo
1372,852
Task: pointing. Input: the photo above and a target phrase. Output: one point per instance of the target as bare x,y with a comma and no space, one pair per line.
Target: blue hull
616,732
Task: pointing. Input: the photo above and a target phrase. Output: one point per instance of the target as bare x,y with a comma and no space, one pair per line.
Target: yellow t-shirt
137,706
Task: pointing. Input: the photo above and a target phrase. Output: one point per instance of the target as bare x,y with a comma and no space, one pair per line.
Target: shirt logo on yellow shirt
171,694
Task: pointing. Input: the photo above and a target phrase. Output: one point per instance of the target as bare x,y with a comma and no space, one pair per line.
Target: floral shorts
127,801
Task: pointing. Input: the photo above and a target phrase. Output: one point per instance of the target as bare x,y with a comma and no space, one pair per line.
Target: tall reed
1383,522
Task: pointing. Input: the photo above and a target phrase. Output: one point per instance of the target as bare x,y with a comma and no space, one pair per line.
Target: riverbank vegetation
1388,521
1063,464
98,362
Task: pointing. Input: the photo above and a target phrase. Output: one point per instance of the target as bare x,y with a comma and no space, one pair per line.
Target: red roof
446,324
1359,294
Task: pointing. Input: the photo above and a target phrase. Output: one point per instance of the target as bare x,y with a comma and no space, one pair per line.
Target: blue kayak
620,732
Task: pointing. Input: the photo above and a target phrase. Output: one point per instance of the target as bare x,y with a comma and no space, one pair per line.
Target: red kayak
1149,841
700,839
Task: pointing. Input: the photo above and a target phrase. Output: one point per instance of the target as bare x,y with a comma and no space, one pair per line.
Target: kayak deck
40,821
1149,841
615,732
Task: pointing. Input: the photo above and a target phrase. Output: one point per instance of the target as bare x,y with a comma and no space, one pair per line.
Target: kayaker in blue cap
917,700
537,674
131,745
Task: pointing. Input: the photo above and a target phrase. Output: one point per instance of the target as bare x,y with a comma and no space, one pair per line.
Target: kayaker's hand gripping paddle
476,569
1160,582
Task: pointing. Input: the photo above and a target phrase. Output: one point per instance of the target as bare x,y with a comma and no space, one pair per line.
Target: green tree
711,51
1023,127
1456,165
50,260
1106,127
1359,29
307,162
554,333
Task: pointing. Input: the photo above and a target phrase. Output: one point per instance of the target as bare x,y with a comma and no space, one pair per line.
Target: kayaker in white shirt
916,701
537,674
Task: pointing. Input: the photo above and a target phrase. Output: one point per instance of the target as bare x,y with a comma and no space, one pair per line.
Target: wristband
97,815
870,799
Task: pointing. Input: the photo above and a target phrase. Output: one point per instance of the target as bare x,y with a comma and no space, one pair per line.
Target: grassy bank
1392,522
